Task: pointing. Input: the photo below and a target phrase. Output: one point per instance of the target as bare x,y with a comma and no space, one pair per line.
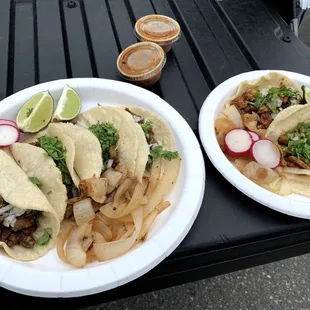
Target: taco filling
296,146
156,150
108,137
263,105
17,226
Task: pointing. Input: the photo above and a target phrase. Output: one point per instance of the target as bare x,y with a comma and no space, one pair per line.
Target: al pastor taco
255,105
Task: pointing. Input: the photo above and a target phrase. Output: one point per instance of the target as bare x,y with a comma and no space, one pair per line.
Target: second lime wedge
68,106
36,113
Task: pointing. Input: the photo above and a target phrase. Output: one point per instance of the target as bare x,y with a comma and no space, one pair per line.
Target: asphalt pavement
281,285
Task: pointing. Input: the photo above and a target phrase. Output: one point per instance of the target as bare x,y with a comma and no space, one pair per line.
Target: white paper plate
49,276
294,205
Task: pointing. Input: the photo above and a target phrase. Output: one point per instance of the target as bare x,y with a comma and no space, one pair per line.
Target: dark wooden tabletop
43,40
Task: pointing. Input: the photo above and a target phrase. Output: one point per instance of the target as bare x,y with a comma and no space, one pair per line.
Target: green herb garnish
299,143
29,111
44,239
54,148
158,152
259,100
107,135
35,180
146,127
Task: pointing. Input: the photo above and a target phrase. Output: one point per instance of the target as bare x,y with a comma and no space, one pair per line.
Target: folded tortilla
88,159
67,142
131,142
272,79
36,163
17,190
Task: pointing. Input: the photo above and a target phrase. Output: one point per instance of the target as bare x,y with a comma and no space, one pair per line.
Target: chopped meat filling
298,162
266,119
22,231
249,95
283,140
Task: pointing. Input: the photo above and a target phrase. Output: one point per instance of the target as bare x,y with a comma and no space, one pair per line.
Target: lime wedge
36,113
306,93
68,106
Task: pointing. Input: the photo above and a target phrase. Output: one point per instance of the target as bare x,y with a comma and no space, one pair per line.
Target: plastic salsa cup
159,29
141,63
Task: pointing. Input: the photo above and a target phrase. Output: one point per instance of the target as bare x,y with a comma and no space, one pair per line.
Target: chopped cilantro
158,152
299,142
44,239
35,180
107,135
259,100
147,126
29,111
54,148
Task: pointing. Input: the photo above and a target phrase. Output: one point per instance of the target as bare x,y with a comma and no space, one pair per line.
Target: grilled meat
298,162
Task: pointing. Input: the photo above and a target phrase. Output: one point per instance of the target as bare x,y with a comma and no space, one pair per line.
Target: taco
87,159
42,171
291,130
255,105
120,137
28,224
163,161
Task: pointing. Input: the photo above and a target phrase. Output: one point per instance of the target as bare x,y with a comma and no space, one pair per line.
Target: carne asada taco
120,137
260,102
42,171
28,224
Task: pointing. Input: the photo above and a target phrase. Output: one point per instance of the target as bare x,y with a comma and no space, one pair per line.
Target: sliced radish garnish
238,142
8,135
7,122
266,153
254,136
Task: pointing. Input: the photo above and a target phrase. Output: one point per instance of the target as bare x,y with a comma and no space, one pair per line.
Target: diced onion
110,163
17,211
83,211
274,115
293,100
113,178
109,250
5,209
10,220
279,102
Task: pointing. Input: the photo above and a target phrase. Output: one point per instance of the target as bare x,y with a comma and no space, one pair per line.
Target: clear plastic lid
141,61
157,28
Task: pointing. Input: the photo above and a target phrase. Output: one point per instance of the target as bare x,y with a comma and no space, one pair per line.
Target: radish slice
8,135
254,136
238,142
7,122
266,153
